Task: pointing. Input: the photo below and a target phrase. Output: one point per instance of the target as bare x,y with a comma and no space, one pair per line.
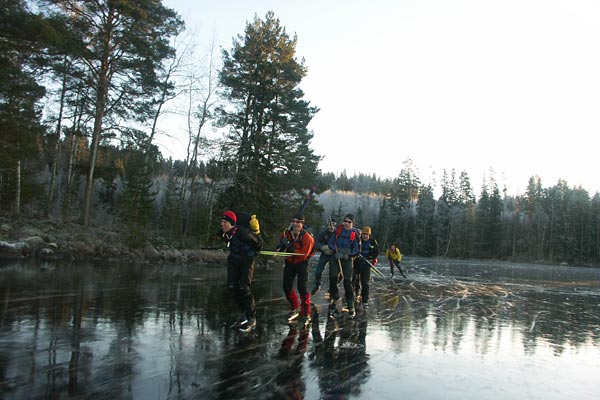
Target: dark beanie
299,217
350,217
229,216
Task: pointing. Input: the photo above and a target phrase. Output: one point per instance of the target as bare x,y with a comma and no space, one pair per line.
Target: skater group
351,254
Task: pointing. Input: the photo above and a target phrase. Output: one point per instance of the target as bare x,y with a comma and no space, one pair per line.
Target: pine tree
424,221
21,39
536,218
267,119
136,203
489,213
121,46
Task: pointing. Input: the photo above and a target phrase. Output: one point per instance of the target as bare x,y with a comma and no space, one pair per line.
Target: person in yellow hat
243,246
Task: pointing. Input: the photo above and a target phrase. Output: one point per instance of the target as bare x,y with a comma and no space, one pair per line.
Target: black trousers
239,282
290,271
345,266
361,278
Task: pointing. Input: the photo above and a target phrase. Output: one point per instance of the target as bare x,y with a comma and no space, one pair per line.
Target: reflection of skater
289,379
243,247
395,257
343,366
369,251
233,378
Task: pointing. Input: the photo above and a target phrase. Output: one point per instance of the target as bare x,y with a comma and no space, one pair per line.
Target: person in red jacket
299,241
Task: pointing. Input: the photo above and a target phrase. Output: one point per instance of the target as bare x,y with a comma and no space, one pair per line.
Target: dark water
454,330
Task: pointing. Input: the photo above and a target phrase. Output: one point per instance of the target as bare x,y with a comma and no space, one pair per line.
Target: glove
326,250
254,225
285,245
374,262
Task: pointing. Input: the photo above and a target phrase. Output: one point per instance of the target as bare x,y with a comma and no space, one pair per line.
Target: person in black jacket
326,253
243,247
369,251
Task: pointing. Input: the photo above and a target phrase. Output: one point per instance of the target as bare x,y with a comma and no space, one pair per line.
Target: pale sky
511,85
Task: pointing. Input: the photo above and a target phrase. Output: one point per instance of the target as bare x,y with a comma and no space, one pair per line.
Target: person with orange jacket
300,241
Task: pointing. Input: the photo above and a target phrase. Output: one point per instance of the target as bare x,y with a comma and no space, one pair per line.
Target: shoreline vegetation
46,239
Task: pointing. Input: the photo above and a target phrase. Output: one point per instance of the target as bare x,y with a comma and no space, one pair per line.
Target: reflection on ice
451,330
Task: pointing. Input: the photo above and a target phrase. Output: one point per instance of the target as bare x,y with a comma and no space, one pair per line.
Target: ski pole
309,196
279,253
375,270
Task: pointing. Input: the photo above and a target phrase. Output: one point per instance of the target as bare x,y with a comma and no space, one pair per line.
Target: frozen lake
454,330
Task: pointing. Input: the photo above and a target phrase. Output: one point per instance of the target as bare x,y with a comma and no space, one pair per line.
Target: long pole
375,270
309,196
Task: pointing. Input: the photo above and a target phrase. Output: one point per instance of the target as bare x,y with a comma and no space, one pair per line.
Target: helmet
366,230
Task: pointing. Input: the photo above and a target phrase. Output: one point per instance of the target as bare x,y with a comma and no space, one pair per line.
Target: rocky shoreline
52,240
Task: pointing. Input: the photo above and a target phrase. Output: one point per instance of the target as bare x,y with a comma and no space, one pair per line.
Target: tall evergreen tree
595,227
425,219
466,215
406,195
447,213
136,201
268,139
489,213
21,40
554,206
536,218
579,213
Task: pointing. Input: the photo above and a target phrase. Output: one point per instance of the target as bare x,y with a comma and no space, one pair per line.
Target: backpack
313,250
339,230
248,221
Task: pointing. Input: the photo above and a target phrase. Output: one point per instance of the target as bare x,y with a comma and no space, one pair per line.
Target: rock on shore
48,239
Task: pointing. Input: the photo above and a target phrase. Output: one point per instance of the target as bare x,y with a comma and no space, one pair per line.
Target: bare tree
202,87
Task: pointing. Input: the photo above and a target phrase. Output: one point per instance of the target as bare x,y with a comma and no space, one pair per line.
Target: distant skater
395,258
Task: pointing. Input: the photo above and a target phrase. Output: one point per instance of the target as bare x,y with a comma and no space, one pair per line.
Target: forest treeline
555,224
87,88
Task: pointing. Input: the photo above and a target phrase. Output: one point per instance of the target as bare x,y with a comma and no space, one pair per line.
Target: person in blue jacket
345,245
